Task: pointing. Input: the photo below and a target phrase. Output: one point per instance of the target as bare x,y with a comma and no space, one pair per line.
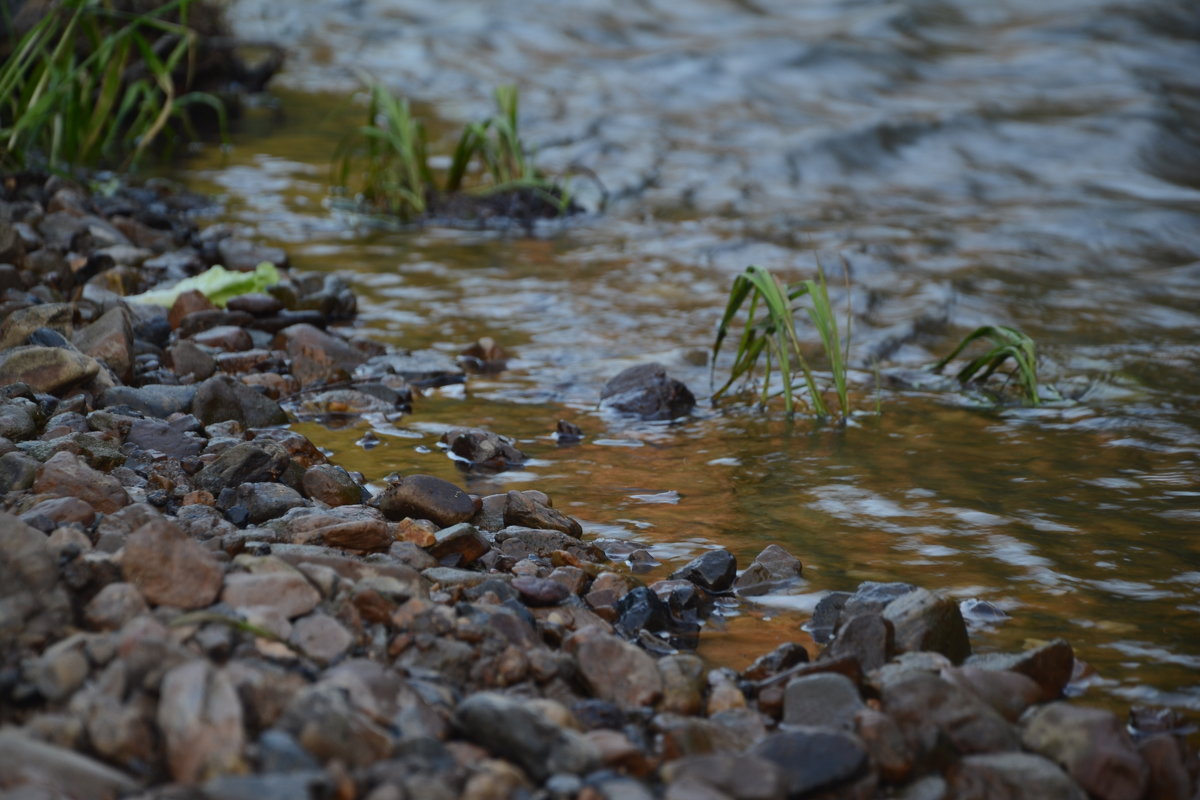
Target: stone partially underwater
195,603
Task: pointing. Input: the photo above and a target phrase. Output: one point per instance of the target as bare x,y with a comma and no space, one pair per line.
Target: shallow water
1026,163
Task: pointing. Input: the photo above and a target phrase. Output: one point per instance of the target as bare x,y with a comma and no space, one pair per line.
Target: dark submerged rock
647,392
713,570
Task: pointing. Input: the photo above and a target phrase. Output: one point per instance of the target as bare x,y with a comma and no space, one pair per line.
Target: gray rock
266,501
243,463
176,438
17,472
317,356
925,621
933,714
813,758
24,759
1092,745
427,497
153,400
288,592
521,542
114,605
421,368
352,527
826,700
540,591
275,785
17,420
647,391
869,638
200,717
739,776
326,723
188,358
321,637
771,569
1010,776
223,397
508,728
49,514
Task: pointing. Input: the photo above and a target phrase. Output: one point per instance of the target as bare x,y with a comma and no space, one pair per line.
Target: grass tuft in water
1007,343
770,335
388,161
89,84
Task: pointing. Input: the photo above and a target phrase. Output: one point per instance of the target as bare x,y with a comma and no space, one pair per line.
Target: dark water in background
1028,163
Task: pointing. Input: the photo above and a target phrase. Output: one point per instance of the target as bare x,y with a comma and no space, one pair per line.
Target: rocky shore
196,603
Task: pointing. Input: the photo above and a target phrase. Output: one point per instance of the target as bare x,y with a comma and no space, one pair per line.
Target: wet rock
65,475
243,463
187,303
200,717
153,400
427,497
288,592
771,569
566,432
176,438
110,340
522,510
646,391
925,621
114,605
737,776
266,501
825,616
17,471
939,720
321,637
1010,776
345,402
53,370
223,397
24,759
170,569
459,545
483,449
615,670
869,638
825,700
1092,745
508,728
331,485
353,527
813,758
540,591
605,592
318,357
713,570
641,609
1050,666
783,657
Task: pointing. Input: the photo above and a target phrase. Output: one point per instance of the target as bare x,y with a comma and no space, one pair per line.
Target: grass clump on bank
90,84
770,329
386,163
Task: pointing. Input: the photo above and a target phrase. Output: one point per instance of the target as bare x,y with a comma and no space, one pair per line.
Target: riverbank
196,602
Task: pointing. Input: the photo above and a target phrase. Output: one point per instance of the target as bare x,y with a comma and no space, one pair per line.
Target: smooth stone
321,637
17,420
26,759
17,327
1092,745
783,657
228,338
869,638
827,700
176,438
266,501
925,621
1010,693
813,758
930,711
52,370
331,485
289,592
49,514
317,356
885,743
153,400
353,527
540,591
615,670
109,340
65,475
684,681
647,392
522,510
170,569
739,776
1010,776
114,605
17,471
427,497
188,358
327,724
200,717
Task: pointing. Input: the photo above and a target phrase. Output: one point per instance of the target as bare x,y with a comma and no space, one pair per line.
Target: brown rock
65,475
110,340
321,637
1050,666
243,463
114,605
17,326
427,497
288,592
188,358
352,527
459,545
318,356
540,591
606,591
200,717
1010,693
225,337
49,514
1168,775
298,446
331,485
614,669
170,569
187,303
1010,776
1092,745
420,532
929,711
771,568
885,744
867,637
53,370
925,621
520,510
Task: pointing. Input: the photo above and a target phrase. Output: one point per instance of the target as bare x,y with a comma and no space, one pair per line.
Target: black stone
641,609
714,570
647,391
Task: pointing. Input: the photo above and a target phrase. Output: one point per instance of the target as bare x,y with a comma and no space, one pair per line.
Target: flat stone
288,592
427,497
507,727
1092,745
65,475
170,569
176,438
200,717
520,509
52,370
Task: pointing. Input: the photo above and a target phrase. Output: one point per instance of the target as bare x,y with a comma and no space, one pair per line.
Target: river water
1022,162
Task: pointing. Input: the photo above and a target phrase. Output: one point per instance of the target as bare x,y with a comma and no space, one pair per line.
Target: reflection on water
1015,162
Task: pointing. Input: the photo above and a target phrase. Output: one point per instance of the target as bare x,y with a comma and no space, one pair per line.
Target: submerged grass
388,161
770,333
1007,343
89,84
